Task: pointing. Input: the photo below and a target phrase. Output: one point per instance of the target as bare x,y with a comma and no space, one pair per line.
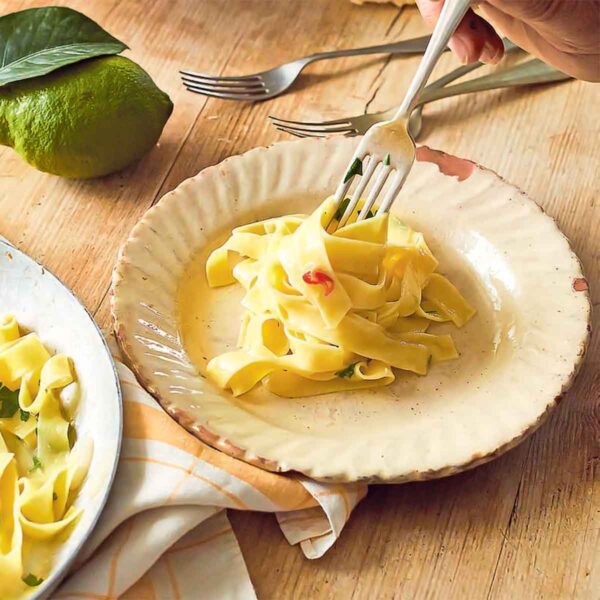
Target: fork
387,146
528,73
271,83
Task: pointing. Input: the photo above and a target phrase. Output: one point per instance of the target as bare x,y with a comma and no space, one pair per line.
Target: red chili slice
316,277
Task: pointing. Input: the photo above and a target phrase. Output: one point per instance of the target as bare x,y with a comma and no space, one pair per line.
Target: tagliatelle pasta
334,311
39,472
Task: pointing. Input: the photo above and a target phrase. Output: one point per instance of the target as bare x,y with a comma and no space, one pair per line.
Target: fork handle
414,46
451,15
527,73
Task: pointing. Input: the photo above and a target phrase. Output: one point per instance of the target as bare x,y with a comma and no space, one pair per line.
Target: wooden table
526,525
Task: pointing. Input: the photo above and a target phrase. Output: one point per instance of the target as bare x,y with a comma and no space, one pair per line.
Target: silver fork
387,147
528,73
267,84
359,124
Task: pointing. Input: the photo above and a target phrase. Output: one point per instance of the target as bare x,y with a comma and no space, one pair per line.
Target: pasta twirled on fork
332,311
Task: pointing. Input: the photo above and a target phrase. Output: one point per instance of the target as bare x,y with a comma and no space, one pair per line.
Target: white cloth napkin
165,535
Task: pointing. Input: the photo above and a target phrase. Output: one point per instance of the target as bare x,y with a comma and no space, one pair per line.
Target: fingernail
460,49
491,55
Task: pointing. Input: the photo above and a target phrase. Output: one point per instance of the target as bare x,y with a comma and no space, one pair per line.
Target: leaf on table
36,41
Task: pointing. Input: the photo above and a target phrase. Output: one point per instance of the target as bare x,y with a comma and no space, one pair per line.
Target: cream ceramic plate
41,303
518,355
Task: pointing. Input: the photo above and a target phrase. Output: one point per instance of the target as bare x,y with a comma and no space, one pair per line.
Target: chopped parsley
9,402
356,168
341,209
346,372
31,580
24,415
386,160
71,435
37,464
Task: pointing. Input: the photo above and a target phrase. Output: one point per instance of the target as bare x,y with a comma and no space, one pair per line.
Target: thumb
474,38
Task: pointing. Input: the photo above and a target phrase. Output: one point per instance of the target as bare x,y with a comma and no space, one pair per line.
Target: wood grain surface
524,526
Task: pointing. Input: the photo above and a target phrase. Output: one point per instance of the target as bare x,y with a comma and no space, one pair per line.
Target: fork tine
316,130
360,188
391,194
277,120
300,135
233,91
223,84
213,78
242,95
226,90
374,193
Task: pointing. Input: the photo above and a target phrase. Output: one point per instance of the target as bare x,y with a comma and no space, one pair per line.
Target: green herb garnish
71,435
355,169
31,580
37,464
339,213
346,372
386,160
9,402
24,415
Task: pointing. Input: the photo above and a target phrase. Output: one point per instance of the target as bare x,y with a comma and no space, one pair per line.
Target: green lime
85,120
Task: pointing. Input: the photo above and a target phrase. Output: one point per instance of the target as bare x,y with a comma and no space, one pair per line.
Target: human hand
563,33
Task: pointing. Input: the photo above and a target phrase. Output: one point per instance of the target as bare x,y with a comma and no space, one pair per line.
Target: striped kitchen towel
165,535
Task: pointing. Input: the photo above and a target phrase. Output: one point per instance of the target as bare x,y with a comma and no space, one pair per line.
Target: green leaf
9,403
355,169
24,415
37,464
31,580
36,41
71,435
347,372
339,213
386,160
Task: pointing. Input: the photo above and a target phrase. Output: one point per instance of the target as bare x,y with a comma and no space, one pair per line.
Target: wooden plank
526,525
75,227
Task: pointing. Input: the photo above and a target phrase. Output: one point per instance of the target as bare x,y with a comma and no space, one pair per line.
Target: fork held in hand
267,84
387,147
531,72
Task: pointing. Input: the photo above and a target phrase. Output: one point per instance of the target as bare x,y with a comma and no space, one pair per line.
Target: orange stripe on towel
144,422
141,590
235,499
85,595
199,542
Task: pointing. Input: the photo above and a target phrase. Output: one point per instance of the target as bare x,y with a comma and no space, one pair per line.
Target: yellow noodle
379,293
38,471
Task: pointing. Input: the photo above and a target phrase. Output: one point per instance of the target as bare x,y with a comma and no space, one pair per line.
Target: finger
473,40
575,63
571,26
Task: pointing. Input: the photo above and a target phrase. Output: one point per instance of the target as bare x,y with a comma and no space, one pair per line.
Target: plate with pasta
403,347
60,426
